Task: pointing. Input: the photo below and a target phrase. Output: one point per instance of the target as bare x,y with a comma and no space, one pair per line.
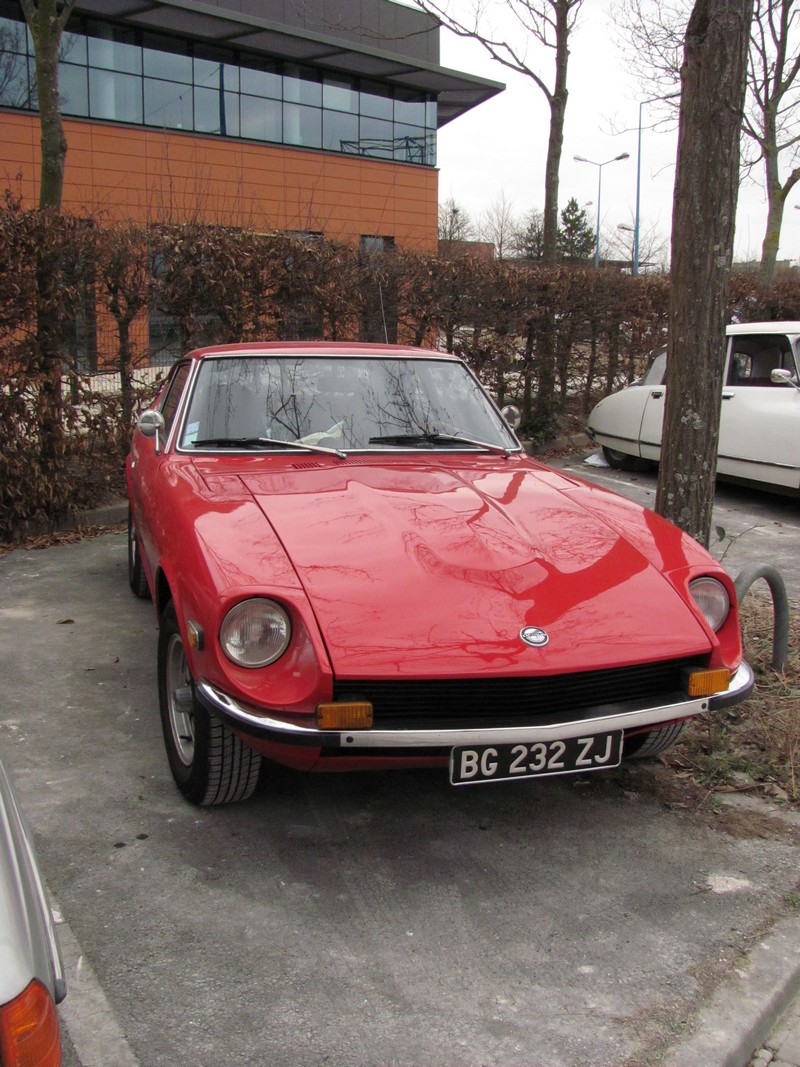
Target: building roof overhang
456,92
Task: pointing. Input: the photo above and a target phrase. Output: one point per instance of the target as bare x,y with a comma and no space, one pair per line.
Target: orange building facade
145,175
257,117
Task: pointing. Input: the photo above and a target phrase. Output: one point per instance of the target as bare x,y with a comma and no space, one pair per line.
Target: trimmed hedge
77,298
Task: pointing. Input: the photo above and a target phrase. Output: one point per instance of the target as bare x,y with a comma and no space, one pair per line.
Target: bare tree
498,225
617,243
713,85
46,20
651,33
454,222
772,121
550,23
527,241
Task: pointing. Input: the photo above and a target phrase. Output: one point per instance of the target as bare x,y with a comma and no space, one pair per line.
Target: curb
105,515
744,1010
110,514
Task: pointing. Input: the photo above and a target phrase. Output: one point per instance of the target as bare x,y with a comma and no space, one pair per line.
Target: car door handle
729,396
657,393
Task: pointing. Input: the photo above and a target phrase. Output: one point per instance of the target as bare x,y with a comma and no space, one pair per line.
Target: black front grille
478,702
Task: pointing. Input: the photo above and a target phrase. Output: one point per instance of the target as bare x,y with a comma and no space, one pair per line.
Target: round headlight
712,599
255,633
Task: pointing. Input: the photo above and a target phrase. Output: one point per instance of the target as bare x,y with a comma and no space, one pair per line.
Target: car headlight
255,633
712,598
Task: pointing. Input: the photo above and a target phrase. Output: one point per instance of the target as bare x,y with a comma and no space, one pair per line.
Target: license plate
534,759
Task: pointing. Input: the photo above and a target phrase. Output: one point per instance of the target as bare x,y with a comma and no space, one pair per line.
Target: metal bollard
780,606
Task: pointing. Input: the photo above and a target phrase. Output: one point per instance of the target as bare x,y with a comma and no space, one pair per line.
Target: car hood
430,571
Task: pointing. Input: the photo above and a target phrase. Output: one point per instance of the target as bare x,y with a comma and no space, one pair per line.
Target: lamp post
649,100
631,229
583,159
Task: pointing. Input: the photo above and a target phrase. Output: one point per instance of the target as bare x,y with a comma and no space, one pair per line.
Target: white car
759,438
31,972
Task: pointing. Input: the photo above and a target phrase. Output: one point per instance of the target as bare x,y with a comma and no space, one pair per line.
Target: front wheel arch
209,762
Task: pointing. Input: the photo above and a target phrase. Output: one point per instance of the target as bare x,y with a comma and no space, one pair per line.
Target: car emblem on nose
534,637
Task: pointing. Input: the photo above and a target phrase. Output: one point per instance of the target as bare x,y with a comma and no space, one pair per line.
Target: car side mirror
781,376
151,424
512,415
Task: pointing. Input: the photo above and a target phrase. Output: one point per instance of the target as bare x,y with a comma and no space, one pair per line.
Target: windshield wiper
264,442
437,439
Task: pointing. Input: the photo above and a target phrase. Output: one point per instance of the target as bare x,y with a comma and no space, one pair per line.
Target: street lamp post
649,100
634,250
583,159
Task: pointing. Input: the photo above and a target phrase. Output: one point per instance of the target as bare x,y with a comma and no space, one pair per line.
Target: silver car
31,971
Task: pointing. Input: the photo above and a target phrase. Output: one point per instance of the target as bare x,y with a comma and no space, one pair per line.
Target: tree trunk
706,188
544,413
46,24
555,142
776,199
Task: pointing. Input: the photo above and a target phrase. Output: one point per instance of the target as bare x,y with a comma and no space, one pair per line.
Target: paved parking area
372,920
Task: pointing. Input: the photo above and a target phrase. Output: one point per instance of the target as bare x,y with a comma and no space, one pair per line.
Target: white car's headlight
712,599
255,633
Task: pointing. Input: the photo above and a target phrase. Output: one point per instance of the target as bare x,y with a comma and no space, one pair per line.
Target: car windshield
340,403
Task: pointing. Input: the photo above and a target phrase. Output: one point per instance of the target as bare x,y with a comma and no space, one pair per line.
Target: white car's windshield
340,403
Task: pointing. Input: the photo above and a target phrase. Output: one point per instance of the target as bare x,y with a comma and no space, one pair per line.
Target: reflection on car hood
427,570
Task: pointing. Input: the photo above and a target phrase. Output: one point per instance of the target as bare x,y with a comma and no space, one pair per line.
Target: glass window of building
340,132
14,36
166,58
115,96
73,89
215,72
128,75
260,119
113,48
377,100
73,48
261,81
216,112
168,105
377,138
409,108
17,82
301,86
409,143
302,126
340,95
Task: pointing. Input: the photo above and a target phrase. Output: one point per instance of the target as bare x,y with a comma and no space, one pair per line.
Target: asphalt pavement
382,921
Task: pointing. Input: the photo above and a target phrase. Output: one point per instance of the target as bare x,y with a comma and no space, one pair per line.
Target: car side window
753,360
172,396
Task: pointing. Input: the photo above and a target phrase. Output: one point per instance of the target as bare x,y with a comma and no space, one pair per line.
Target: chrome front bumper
628,716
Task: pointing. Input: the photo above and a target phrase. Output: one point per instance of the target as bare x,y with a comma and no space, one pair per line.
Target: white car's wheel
620,461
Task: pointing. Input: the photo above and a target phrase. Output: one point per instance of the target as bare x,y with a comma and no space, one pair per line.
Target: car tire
645,745
620,461
209,763
136,576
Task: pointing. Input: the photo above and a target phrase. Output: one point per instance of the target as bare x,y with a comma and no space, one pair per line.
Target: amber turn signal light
349,715
704,683
29,1029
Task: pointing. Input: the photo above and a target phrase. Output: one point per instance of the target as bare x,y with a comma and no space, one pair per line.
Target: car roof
763,327
317,348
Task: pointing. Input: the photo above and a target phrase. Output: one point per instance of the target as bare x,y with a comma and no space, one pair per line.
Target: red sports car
355,565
